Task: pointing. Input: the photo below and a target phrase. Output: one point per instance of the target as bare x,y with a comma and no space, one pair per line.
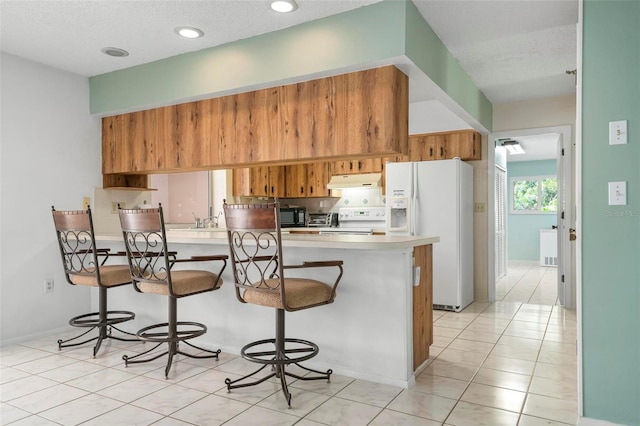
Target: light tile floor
512,362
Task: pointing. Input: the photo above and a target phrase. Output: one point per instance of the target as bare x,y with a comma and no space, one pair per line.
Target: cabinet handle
302,189
359,165
350,165
310,190
430,152
441,152
266,189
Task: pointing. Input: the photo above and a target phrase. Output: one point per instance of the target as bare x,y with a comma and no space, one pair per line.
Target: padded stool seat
299,292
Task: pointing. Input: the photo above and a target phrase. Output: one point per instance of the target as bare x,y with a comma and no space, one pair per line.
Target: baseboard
33,336
586,421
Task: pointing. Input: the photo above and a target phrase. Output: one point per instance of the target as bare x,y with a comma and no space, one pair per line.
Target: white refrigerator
435,198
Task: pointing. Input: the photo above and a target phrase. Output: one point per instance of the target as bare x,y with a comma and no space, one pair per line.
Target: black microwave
292,217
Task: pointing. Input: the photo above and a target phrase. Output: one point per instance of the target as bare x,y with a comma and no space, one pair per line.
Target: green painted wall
523,230
425,49
360,36
611,234
384,33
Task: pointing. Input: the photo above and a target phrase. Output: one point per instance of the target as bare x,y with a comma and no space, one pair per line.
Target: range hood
367,180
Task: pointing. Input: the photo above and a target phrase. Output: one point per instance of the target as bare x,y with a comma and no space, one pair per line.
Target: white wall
548,112
50,150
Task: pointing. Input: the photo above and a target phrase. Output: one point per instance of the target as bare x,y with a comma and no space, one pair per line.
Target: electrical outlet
48,285
114,206
479,207
86,201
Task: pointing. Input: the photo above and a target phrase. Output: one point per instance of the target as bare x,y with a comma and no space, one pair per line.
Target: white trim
491,218
578,201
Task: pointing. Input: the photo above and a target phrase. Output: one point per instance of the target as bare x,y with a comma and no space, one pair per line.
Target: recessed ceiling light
115,51
188,32
283,6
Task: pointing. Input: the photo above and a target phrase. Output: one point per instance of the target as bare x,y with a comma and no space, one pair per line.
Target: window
534,195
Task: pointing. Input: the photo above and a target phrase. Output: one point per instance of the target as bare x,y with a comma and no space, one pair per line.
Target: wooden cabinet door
317,179
339,167
261,181
427,147
241,182
296,181
276,181
423,305
463,144
370,165
250,181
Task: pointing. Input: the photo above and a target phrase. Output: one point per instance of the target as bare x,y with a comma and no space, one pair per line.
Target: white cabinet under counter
379,328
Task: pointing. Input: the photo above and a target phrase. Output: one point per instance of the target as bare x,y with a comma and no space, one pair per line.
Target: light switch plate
617,193
618,132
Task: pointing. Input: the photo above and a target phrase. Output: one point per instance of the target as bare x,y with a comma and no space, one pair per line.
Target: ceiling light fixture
188,32
283,6
512,146
116,52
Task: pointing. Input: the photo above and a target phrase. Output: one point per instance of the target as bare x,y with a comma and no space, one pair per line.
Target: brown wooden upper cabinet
427,147
348,167
465,145
266,181
445,145
360,113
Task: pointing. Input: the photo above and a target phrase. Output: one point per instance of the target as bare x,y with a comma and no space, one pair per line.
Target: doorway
503,187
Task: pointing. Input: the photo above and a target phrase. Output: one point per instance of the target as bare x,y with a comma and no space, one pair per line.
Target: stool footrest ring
273,357
93,319
148,333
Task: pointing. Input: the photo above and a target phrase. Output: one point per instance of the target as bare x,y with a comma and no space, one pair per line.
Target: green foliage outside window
549,189
535,195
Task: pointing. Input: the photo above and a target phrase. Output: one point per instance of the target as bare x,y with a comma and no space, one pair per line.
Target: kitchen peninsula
378,329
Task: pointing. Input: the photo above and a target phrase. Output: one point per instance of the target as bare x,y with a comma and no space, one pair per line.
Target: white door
565,223
501,222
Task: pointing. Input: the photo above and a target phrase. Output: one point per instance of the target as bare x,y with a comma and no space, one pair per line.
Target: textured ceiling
68,34
512,49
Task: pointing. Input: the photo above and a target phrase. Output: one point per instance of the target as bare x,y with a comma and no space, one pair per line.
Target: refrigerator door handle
414,199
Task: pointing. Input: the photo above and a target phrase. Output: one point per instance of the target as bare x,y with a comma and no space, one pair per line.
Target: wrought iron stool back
84,264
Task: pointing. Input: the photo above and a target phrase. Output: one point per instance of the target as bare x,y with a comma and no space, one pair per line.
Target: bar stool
150,264
76,240
255,246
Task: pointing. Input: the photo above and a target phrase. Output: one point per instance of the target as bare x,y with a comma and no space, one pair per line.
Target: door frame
568,172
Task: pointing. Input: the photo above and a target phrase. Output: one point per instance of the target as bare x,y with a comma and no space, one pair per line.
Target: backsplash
354,197
104,221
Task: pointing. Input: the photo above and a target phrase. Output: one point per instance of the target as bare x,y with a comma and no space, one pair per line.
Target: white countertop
355,242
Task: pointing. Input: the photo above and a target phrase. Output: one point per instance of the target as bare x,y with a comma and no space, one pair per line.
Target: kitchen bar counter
367,333
299,238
